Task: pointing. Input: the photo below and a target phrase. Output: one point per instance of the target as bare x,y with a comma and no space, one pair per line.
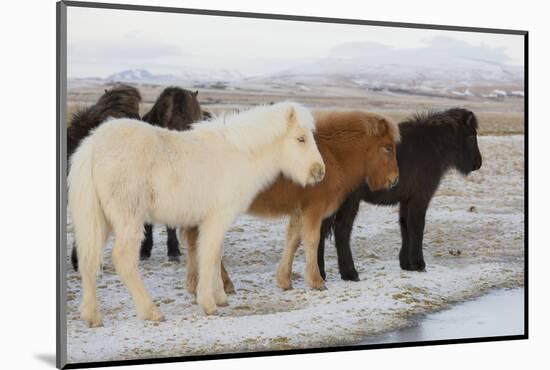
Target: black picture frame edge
61,165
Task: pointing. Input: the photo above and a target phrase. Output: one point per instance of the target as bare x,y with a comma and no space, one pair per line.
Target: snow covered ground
482,216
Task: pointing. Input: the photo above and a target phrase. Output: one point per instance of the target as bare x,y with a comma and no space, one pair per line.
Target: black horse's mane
453,117
438,132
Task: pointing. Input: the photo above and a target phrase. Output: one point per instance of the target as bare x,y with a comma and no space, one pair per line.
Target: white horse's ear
291,116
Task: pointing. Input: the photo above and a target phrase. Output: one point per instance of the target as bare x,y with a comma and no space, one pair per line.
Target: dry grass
495,117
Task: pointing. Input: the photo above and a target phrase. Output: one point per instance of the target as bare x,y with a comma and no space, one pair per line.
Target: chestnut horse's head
382,171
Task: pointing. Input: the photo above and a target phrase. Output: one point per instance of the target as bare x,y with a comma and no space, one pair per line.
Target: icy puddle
499,313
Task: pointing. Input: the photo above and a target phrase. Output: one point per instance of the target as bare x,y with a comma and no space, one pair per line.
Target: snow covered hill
444,62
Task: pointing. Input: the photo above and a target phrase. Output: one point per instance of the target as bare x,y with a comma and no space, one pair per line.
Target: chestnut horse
357,148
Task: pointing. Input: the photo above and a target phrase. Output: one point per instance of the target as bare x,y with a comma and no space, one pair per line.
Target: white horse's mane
257,126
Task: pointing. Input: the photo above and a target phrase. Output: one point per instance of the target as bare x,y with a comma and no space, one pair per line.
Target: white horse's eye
302,139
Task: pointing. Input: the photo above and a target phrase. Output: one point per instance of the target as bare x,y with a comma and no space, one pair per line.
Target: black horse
175,109
431,144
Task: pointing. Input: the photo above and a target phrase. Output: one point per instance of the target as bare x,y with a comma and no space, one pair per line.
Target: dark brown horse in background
122,101
175,108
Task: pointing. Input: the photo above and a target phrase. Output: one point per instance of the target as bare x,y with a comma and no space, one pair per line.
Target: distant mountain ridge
189,75
139,75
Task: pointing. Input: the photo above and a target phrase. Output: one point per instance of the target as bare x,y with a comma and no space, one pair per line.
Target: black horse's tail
327,227
74,258
121,101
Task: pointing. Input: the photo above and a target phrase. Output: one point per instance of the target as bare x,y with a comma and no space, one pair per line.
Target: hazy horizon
103,41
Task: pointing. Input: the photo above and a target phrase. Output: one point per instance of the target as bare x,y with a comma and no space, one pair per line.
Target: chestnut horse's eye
388,148
302,139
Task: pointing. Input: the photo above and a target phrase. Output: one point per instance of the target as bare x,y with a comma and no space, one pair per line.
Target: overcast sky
102,42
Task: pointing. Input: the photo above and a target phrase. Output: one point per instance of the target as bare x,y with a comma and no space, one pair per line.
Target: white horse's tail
89,223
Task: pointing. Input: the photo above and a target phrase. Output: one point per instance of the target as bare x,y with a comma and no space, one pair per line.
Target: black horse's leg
343,226
74,257
404,260
416,218
147,243
173,245
325,230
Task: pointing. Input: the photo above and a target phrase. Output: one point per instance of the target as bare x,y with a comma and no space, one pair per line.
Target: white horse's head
300,160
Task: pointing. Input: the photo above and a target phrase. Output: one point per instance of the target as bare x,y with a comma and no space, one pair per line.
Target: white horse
128,173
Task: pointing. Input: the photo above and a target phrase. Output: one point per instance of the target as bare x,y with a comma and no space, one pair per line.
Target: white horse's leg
191,235
90,257
219,292
89,311
210,293
125,259
284,271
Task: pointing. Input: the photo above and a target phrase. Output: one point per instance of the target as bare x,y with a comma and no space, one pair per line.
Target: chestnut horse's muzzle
316,173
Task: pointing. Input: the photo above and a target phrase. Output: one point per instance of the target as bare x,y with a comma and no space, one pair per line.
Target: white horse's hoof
221,299
222,304
153,314
208,304
92,318
210,311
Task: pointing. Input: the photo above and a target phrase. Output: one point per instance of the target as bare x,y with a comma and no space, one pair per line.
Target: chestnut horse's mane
332,124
